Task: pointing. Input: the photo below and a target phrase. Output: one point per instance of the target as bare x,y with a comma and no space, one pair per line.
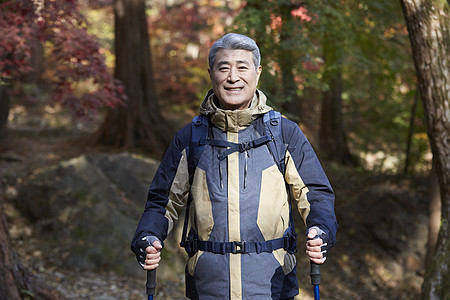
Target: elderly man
238,169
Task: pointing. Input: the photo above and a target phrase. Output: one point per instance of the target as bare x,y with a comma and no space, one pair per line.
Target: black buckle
190,245
245,146
238,247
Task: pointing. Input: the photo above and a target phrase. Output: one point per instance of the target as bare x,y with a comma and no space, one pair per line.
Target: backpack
272,137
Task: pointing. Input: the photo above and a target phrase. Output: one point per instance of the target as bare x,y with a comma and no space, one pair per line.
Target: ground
362,265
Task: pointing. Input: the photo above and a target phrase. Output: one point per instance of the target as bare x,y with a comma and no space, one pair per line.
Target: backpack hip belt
236,247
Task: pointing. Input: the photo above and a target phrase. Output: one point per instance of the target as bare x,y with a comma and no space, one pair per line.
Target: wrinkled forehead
234,56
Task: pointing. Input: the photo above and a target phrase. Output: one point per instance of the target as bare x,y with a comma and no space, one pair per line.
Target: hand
153,256
314,247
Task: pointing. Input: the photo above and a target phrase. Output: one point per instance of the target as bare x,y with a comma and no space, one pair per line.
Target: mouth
233,89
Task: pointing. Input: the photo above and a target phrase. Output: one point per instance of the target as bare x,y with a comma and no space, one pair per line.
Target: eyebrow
225,62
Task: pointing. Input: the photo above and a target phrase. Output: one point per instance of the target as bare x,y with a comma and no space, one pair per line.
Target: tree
140,123
73,58
360,42
348,53
331,31
332,142
181,34
15,281
15,28
4,110
434,221
279,29
428,25
75,69
285,53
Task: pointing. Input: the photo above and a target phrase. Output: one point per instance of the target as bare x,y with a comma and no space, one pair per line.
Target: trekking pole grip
151,283
315,279
315,273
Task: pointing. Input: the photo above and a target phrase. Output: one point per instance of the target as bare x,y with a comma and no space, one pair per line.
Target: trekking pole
151,283
315,279
143,244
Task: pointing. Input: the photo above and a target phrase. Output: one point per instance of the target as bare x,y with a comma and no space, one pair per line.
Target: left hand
153,256
313,247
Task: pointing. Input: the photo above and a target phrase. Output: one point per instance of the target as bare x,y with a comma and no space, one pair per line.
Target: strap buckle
245,146
238,247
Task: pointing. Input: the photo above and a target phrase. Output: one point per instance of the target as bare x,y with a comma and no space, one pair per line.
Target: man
241,241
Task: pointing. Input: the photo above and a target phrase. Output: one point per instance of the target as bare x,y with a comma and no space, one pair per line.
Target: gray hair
234,41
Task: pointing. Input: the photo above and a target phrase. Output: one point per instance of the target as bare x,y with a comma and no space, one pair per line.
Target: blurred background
92,92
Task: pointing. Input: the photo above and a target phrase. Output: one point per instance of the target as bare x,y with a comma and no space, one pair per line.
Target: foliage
380,81
74,69
15,30
368,40
181,34
280,29
368,44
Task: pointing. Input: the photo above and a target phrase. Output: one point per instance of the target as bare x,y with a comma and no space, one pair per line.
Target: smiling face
234,78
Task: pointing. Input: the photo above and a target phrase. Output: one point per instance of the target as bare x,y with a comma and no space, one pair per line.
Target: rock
395,217
11,157
90,206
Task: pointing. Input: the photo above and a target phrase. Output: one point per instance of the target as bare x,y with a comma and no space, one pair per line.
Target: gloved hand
149,252
317,245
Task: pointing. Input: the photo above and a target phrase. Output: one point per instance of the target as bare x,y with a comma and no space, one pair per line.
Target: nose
233,75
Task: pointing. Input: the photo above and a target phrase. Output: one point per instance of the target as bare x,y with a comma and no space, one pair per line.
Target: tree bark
4,110
428,25
285,56
411,132
434,222
332,142
140,123
15,281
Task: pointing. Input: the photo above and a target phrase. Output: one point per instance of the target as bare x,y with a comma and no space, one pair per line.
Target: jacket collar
233,120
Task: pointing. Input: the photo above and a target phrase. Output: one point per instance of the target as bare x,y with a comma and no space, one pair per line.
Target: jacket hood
237,119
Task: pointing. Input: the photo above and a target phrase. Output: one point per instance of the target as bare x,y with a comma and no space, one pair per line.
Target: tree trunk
285,55
332,143
411,132
434,222
428,25
15,281
4,110
139,124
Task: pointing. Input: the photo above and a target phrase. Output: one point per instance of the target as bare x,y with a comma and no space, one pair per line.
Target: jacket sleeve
168,191
310,186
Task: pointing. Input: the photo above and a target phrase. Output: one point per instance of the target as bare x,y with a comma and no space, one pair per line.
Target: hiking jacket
240,198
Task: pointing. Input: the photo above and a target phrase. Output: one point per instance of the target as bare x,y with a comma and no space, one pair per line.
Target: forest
93,91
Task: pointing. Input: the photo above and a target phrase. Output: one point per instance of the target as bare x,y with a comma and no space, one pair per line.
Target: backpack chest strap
235,147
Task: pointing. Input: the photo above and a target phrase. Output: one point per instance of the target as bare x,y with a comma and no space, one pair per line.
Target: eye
224,69
243,68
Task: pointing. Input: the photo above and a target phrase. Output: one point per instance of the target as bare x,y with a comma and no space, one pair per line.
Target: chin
236,100
233,105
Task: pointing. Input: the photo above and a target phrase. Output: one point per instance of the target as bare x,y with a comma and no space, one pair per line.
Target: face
234,78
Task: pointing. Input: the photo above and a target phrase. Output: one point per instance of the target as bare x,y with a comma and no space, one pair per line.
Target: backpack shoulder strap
199,131
277,147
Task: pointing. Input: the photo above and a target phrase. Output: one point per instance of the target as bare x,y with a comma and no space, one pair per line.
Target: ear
258,73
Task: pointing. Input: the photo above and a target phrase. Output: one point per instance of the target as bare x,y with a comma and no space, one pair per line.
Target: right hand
153,256
314,247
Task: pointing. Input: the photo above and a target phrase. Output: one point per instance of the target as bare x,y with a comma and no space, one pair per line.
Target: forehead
234,56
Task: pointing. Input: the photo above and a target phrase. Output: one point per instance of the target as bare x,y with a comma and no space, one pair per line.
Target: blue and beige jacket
240,198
